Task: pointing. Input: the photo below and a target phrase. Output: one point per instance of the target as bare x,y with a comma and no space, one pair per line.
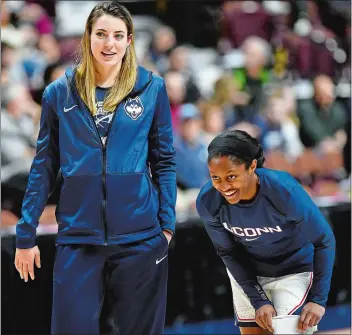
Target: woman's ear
129,39
253,166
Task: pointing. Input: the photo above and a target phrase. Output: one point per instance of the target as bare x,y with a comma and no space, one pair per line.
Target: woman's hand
264,317
24,262
310,316
168,235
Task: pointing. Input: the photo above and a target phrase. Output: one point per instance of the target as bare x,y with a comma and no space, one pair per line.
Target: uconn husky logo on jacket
134,108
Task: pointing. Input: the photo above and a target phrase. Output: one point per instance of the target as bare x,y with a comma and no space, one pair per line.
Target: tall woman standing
107,125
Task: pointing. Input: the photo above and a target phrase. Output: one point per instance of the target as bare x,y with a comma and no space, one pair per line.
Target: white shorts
287,294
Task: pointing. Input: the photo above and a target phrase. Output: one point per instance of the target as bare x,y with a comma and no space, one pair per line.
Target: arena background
201,48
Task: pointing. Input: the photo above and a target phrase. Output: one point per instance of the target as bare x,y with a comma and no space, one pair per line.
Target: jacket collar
144,77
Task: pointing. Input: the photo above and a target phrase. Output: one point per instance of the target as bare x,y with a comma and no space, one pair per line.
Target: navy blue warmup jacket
120,192
280,232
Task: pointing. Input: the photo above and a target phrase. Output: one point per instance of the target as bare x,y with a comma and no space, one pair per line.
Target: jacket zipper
104,177
103,146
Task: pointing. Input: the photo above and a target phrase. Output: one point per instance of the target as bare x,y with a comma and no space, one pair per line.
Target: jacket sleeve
235,258
317,230
162,160
42,177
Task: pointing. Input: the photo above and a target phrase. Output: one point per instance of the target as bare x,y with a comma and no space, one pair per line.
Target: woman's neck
106,77
253,188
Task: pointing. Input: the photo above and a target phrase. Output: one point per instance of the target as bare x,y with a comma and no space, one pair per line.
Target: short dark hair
238,146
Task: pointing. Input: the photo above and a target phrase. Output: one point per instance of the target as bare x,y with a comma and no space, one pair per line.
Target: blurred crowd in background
276,71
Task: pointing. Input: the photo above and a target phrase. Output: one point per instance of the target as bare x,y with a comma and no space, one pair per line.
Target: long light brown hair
85,74
222,90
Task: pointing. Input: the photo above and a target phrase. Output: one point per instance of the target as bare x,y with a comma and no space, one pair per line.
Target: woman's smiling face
232,180
109,41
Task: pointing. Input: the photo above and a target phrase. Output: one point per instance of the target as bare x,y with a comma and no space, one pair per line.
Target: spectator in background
40,45
37,57
49,47
36,15
322,120
228,97
234,103
19,108
30,45
179,62
213,120
12,70
163,41
176,90
281,133
254,75
313,57
51,73
242,19
191,150
12,44
19,118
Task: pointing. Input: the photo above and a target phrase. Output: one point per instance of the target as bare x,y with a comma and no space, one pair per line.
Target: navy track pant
118,289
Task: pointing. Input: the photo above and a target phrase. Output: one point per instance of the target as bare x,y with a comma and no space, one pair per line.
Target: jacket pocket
132,203
79,211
